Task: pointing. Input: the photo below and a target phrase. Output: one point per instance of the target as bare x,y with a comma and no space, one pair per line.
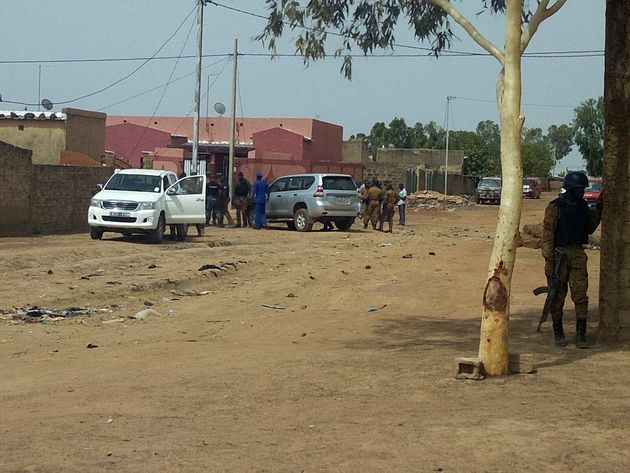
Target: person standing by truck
212,199
260,196
241,201
373,211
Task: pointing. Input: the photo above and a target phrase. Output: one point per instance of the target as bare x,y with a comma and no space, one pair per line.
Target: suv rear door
186,201
340,192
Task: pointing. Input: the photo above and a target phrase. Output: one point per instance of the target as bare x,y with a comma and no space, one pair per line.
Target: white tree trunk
493,346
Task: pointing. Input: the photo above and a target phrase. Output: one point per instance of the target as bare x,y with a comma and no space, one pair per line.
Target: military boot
558,333
580,333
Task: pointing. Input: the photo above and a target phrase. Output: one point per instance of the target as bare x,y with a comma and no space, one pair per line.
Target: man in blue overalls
260,195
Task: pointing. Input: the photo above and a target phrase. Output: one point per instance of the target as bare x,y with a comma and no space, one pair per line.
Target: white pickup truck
145,201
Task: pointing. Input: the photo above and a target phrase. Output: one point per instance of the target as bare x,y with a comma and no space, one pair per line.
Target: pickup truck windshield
490,183
135,183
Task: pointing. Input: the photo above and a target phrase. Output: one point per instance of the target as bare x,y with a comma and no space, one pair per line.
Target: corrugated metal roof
28,115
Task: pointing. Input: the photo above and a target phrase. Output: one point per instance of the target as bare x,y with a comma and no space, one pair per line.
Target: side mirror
171,191
99,187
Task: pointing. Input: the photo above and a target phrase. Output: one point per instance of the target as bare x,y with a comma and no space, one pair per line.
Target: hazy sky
382,88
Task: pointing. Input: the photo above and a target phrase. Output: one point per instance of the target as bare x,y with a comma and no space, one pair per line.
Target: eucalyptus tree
370,25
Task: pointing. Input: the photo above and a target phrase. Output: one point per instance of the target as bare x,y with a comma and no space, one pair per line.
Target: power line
468,99
555,54
144,92
163,92
91,94
202,97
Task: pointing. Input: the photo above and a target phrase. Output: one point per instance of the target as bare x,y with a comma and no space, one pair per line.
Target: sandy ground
220,383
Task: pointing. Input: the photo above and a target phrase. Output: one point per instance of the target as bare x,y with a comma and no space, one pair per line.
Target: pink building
275,146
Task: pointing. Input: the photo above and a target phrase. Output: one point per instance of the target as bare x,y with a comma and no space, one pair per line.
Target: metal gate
411,180
202,163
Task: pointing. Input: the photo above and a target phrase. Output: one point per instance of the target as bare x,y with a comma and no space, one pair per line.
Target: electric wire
202,97
91,94
144,92
430,51
146,128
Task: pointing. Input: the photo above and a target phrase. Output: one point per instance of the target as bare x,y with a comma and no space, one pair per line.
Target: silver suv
300,200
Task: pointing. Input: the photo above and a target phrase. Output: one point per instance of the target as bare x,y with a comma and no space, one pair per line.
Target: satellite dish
47,104
219,108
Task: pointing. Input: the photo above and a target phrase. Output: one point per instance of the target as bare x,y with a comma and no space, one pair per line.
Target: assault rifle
552,288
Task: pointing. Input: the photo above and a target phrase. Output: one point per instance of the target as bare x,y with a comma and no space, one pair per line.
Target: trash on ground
407,256
273,306
374,308
143,314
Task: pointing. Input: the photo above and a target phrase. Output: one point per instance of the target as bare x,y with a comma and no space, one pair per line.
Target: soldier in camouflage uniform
567,225
389,203
373,212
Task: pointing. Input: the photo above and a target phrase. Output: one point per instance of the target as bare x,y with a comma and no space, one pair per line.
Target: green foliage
481,147
367,24
560,140
537,155
589,134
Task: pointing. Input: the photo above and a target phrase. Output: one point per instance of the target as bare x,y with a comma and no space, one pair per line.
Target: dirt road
349,367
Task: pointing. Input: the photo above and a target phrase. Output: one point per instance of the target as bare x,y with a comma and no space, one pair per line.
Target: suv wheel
301,221
96,233
157,234
345,224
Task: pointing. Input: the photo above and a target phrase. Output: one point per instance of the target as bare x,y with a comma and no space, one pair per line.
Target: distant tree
560,140
589,134
419,138
370,24
537,154
400,135
378,136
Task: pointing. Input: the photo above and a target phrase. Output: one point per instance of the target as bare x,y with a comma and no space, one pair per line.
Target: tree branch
542,13
470,29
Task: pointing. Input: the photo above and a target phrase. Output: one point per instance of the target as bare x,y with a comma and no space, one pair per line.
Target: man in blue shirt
260,195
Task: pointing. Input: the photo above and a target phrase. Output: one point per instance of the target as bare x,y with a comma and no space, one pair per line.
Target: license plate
343,200
120,214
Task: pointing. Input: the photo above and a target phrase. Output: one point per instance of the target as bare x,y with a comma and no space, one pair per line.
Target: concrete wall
46,138
416,178
327,141
45,199
15,175
355,151
85,132
434,159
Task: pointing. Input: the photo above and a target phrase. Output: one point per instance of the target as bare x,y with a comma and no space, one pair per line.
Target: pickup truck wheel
345,224
96,233
182,232
157,234
301,221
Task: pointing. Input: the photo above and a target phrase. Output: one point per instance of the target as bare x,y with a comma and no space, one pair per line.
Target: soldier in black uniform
568,223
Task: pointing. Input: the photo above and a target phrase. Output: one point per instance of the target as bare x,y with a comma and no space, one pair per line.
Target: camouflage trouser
387,215
574,275
373,213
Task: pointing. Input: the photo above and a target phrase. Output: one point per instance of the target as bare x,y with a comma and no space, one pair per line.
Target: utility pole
233,117
195,145
448,112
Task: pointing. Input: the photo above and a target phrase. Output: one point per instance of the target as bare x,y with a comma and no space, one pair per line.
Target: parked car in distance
531,187
488,190
300,200
145,201
593,191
